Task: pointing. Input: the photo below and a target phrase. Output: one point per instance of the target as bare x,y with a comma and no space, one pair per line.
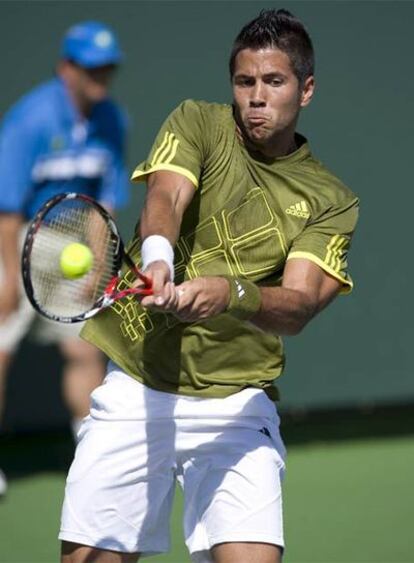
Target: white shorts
226,454
18,324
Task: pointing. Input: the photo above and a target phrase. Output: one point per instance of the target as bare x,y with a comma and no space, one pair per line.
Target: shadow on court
353,423
29,452
35,436
33,394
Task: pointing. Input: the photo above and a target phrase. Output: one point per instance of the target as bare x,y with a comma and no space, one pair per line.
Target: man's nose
258,95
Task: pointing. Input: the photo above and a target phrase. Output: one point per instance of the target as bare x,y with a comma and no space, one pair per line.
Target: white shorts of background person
226,454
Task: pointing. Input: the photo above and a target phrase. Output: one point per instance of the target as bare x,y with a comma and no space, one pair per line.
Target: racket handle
142,277
137,271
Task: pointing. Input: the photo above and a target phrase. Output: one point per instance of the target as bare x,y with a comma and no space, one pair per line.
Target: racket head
65,219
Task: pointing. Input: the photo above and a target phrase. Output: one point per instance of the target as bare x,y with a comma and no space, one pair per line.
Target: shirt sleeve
19,142
179,145
114,190
327,240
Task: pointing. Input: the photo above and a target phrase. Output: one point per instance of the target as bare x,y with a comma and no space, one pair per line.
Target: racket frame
110,295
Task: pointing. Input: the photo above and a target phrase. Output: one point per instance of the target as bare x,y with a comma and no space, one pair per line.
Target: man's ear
307,91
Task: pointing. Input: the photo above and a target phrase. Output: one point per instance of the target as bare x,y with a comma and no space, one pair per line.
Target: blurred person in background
65,135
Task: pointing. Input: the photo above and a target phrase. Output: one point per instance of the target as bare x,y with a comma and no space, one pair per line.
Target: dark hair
281,30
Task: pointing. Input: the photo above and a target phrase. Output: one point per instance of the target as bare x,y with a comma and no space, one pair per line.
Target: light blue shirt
47,148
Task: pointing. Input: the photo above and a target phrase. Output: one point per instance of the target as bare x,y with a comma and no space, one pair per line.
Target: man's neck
275,148
83,106
279,148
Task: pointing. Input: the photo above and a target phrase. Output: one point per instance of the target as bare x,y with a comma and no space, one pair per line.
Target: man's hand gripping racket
63,220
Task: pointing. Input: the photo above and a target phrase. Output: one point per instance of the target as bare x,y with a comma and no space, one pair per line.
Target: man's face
92,85
267,96
88,86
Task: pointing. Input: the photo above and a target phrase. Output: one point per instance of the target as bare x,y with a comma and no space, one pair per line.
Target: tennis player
245,236
65,135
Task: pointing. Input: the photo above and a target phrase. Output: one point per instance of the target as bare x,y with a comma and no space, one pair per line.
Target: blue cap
91,44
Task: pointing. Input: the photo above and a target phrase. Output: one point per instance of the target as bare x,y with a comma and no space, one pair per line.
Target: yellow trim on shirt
139,175
164,152
160,148
173,151
347,283
334,251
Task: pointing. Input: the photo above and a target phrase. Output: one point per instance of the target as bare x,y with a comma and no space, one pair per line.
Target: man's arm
168,196
10,225
306,290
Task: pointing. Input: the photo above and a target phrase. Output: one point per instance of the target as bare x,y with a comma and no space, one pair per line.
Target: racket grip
137,271
143,277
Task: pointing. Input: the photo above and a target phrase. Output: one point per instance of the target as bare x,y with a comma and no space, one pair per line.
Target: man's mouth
255,119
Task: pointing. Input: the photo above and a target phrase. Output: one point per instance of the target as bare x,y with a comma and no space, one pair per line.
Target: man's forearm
284,311
10,225
168,196
305,291
160,217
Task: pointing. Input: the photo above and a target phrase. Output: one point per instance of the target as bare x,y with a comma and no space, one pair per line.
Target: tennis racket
76,218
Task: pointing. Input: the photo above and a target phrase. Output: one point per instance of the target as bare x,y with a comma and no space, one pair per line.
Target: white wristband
157,247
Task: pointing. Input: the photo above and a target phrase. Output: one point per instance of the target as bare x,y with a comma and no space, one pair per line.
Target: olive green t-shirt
249,215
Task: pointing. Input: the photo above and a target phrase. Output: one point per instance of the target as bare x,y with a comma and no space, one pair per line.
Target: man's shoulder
327,183
34,106
205,106
206,118
41,95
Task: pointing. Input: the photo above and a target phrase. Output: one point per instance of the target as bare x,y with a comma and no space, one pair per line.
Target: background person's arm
19,148
10,225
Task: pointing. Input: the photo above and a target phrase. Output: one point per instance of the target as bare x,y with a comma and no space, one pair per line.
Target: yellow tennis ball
76,260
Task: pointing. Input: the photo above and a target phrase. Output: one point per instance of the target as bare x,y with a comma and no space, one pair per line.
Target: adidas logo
299,210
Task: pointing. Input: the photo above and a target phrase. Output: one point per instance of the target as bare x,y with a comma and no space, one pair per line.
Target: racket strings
71,221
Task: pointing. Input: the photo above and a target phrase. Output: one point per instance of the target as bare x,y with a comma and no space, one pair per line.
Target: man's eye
244,82
276,82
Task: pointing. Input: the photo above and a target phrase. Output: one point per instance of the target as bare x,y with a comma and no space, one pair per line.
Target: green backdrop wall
359,124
